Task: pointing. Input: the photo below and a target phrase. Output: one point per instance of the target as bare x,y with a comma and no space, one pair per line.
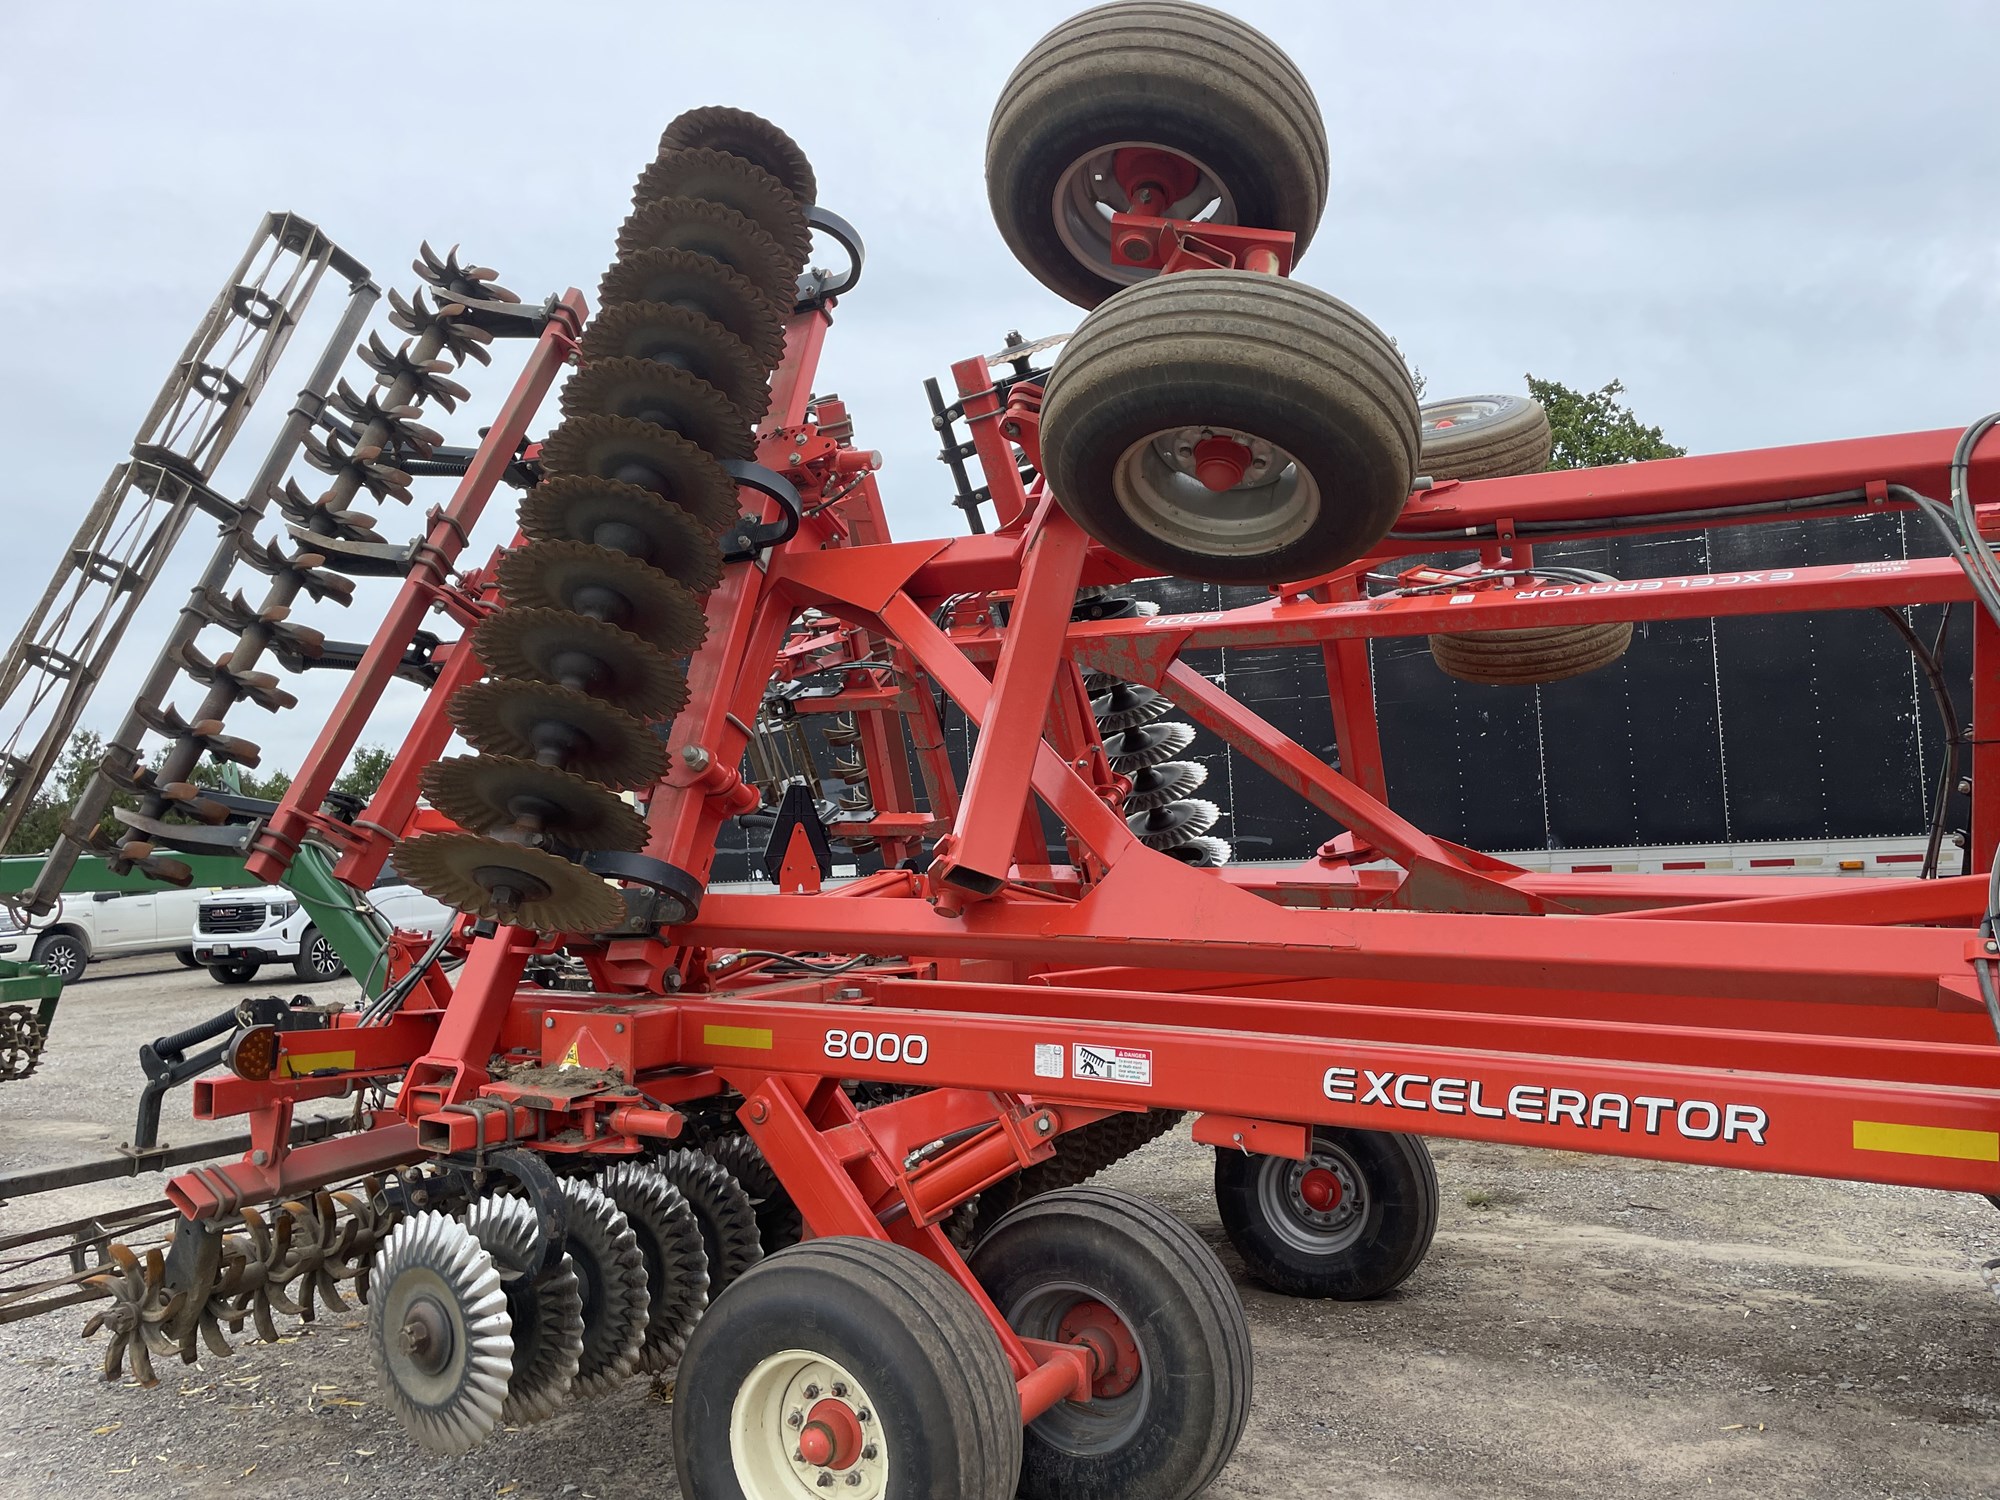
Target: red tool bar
1920,1135
1152,912
272,851
1919,460
1139,649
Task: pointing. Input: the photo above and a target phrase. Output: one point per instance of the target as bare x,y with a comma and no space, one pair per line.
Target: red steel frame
1805,1025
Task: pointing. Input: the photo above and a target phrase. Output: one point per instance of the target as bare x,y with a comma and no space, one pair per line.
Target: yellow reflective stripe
758,1037
1927,1140
298,1064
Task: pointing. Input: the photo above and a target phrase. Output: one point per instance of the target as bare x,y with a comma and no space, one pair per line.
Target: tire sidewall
1351,518
1397,1228
1028,1252
1026,169
738,1332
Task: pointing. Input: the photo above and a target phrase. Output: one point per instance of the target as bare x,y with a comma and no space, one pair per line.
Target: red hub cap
1113,1352
1154,180
1220,463
1321,1190
831,1438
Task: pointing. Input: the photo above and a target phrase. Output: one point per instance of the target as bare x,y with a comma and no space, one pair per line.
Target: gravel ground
1582,1327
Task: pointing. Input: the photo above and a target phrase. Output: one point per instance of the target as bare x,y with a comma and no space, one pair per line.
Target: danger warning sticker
1112,1064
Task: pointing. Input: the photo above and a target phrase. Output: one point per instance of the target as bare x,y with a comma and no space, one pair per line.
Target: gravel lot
1592,1327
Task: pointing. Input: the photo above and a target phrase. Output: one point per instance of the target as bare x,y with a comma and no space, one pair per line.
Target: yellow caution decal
1927,1140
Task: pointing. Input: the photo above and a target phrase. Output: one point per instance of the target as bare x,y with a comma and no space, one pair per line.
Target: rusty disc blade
611,586
1127,705
665,395
1157,785
735,182
509,883
624,518
635,452
703,284
1174,823
540,721
716,230
552,645
1148,745
540,804
717,127
669,335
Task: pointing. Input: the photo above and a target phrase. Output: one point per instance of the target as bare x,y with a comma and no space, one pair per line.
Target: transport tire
241,971
908,1387
1308,403
1173,1391
1156,75
1485,437
63,954
1524,658
186,959
317,959
1350,1222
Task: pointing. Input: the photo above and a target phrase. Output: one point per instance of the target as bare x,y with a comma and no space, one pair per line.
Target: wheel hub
1321,1189
1114,1353
802,1426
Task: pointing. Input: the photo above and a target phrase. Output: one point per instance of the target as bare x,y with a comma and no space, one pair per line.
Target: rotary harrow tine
427,380
443,272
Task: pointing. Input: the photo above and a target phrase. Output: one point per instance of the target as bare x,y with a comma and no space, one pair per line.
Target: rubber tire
1513,440
1255,353
779,1222
1160,71
928,1357
302,967
1180,1306
1525,658
76,955
234,973
1403,1216
186,959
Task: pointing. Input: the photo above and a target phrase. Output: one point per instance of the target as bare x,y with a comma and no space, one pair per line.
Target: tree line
85,752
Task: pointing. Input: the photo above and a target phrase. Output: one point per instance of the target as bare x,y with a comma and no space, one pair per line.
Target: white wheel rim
777,1401
1088,193
1276,503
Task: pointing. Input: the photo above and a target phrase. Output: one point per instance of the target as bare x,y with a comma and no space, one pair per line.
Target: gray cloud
1774,222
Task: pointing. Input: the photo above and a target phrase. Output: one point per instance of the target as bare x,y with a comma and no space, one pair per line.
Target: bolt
549,1022
794,459
261,1157
870,1451
865,1415
853,1477
618,1028
825,1479
1134,248
1043,1124
1012,429
812,1393
796,1419
759,1113
839,1388
798,1455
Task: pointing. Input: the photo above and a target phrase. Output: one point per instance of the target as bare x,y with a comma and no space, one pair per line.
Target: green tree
1594,427
365,772
67,779
232,778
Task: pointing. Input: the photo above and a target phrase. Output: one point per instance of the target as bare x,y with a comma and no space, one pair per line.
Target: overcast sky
1776,223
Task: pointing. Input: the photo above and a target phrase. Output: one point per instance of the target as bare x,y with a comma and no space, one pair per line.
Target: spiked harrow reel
821,1149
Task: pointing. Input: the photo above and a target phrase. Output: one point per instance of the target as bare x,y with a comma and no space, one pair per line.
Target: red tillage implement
979,1022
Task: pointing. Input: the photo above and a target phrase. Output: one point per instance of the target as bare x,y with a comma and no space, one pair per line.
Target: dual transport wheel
1350,1222
1497,437
858,1368
1222,425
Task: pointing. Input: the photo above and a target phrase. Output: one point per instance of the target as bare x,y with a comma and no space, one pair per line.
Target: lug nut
870,1451
812,1393
853,1477
839,1388
796,1419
